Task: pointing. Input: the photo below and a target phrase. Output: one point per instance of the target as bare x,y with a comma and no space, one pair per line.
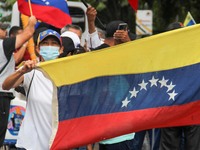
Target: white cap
72,36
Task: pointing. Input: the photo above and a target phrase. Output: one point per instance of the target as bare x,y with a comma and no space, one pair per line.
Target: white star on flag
143,85
125,102
170,87
172,95
153,81
133,93
163,82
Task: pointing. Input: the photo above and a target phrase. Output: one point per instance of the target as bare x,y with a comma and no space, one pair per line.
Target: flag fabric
189,20
148,83
134,4
53,12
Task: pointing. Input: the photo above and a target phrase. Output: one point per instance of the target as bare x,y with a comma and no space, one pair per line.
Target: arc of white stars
125,102
133,92
172,95
170,87
163,82
153,81
143,85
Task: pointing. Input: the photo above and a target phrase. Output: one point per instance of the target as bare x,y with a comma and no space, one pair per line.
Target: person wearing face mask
35,131
48,49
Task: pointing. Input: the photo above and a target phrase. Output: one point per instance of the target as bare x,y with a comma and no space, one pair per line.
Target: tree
6,6
164,11
109,10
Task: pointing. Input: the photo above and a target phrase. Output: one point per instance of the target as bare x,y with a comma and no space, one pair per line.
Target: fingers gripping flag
53,12
139,85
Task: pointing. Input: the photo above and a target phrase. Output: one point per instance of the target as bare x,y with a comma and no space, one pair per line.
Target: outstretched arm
17,77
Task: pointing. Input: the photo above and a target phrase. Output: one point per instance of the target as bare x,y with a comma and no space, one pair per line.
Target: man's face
49,48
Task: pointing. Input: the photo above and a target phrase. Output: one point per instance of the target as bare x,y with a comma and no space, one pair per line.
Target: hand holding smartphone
123,26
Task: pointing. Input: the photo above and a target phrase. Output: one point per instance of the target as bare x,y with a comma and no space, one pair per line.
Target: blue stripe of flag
60,4
108,94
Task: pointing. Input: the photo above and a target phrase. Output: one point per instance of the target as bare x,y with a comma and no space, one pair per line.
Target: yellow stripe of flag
164,51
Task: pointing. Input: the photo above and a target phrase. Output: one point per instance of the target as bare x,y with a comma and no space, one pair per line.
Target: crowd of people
50,45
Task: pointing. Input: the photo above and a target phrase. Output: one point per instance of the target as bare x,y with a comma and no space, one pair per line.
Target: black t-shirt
9,46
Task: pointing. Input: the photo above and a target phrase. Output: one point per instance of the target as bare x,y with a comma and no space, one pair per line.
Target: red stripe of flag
90,129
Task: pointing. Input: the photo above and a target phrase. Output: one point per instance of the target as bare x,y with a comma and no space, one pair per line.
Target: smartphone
123,26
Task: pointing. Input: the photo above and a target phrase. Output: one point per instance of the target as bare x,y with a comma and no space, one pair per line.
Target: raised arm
93,40
17,77
18,56
91,16
27,33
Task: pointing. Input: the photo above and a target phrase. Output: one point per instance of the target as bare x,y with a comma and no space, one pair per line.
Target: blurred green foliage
164,11
6,5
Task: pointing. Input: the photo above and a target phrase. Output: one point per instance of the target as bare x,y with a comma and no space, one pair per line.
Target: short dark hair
111,27
14,30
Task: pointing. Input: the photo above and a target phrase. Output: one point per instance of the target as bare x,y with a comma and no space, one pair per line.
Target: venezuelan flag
148,83
189,20
47,11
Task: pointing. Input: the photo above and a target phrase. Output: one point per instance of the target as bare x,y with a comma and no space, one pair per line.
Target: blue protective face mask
49,52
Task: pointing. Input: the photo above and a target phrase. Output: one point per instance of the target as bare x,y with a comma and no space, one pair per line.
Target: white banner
144,21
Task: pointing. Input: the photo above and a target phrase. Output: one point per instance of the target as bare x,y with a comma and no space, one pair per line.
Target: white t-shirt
35,131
